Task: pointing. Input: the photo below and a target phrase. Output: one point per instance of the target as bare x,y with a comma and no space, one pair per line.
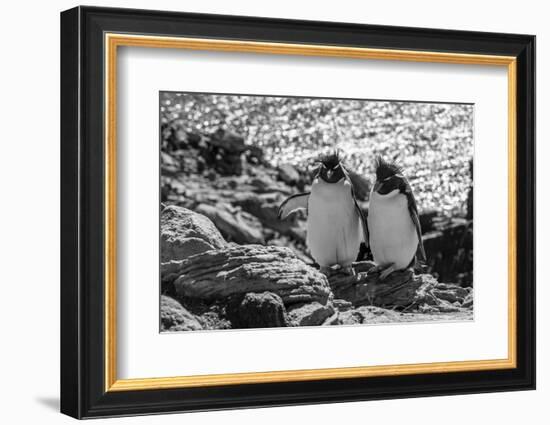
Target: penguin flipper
416,222
413,212
293,204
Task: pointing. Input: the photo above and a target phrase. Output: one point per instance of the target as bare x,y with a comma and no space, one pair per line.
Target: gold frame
113,41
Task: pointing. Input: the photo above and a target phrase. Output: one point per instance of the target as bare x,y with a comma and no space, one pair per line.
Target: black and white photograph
268,211
299,211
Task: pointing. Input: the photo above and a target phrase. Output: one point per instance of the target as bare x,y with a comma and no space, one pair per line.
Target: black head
330,168
389,176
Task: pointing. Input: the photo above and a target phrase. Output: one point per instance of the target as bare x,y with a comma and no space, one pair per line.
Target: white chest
393,237
334,230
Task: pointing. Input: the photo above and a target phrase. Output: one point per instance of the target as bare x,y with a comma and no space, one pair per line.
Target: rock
447,307
227,164
255,155
256,181
184,233
165,191
427,309
449,250
368,314
310,314
229,141
224,150
451,293
234,224
288,174
468,301
262,182
169,165
211,175
193,139
470,200
217,274
401,289
377,315
363,266
342,305
428,220
364,288
174,317
174,138
333,320
265,208
263,310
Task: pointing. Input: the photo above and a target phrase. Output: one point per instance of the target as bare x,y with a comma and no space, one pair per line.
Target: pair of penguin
337,230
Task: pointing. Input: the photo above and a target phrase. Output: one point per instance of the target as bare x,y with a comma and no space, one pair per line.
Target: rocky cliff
210,283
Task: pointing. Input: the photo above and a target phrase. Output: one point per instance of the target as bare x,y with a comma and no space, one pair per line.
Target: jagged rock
365,288
169,165
265,207
470,200
401,289
229,141
225,151
174,317
427,309
446,307
263,182
363,266
468,301
449,249
342,305
424,313
193,139
368,314
288,174
450,292
428,220
235,225
333,320
184,233
188,165
310,314
263,310
257,180
255,155
218,274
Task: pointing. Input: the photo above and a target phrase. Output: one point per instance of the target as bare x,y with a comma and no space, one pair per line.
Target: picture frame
90,40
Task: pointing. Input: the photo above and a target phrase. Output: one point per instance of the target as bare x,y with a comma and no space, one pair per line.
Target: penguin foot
389,270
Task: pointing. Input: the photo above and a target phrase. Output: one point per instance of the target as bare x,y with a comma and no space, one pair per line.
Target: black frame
82,206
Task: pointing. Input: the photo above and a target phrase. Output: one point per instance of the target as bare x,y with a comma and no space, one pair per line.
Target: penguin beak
329,173
377,186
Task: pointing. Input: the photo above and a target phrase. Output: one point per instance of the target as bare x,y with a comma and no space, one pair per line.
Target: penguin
336,227
395,233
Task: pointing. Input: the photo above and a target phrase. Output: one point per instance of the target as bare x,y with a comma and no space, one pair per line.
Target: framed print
261,212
